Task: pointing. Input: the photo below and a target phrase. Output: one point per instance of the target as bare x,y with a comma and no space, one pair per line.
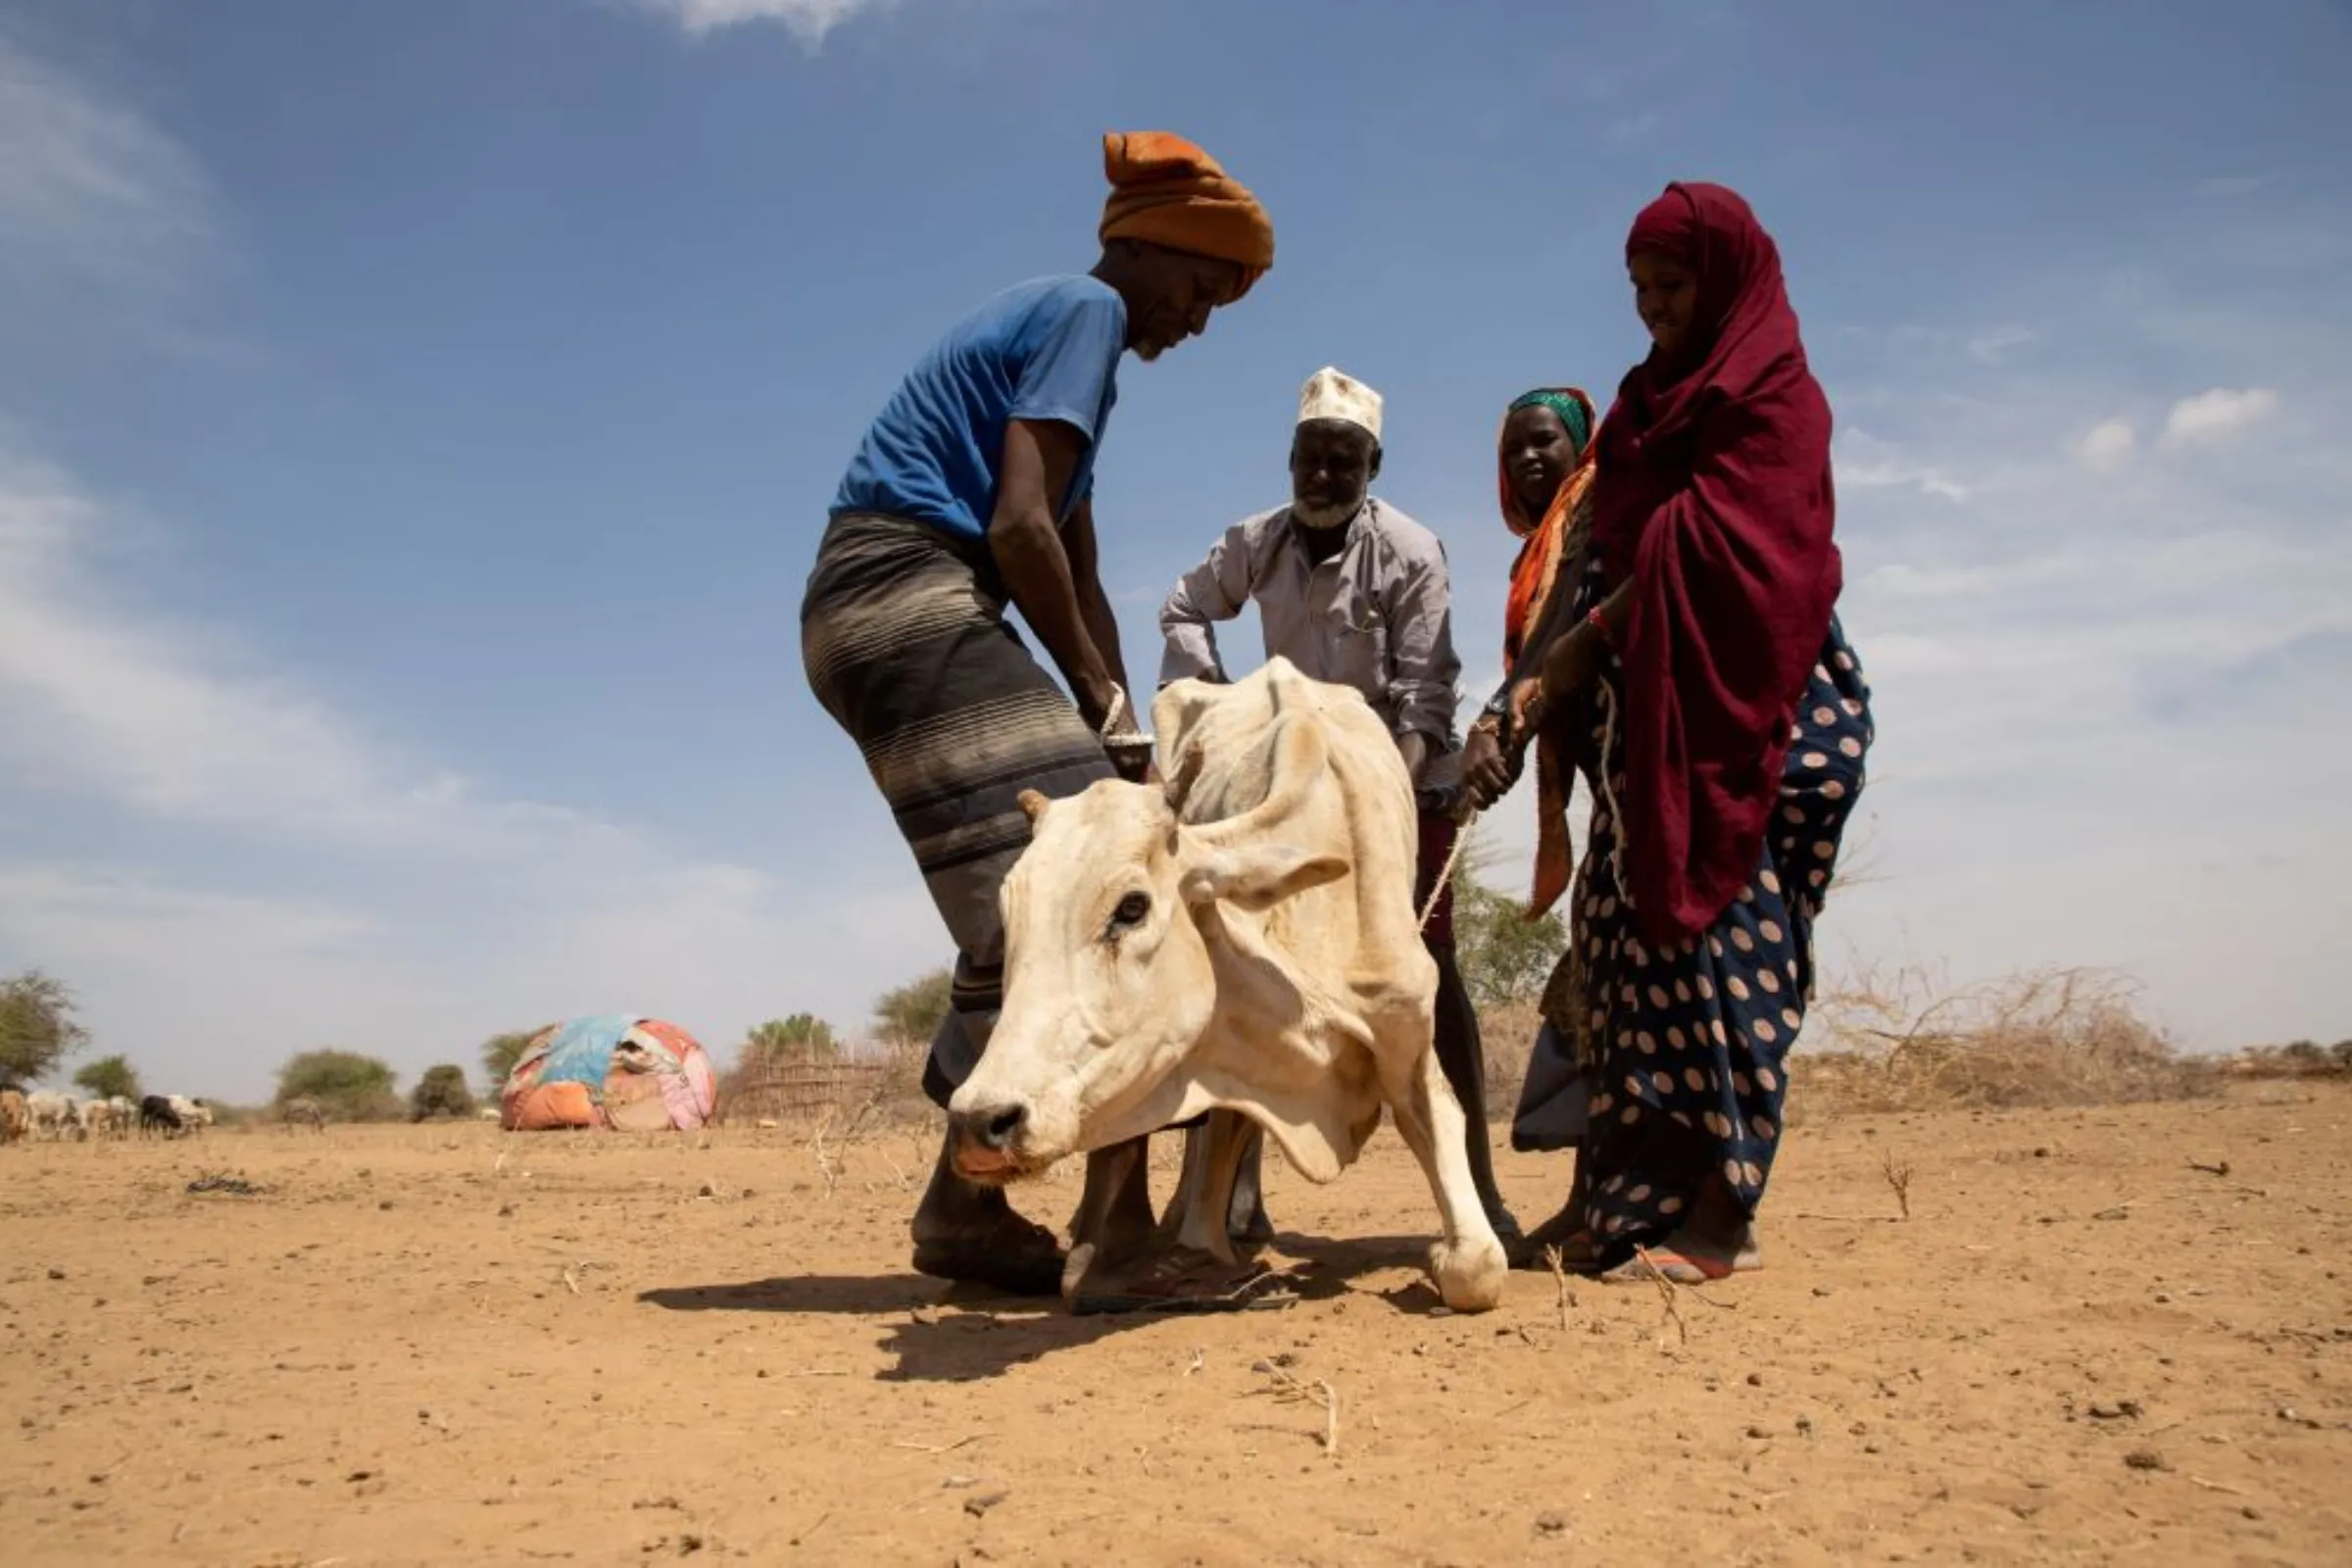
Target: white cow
96,1117
1245,942
125,1114
52,1114
194,1114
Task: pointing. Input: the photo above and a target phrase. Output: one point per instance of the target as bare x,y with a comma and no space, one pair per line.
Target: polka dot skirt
1684,1048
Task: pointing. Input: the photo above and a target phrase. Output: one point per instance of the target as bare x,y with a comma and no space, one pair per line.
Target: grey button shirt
1377,616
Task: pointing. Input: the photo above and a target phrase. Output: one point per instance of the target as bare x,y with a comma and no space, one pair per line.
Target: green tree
911,1014
1506,957
441,1091
349,1086
801,1035
38,1026
109,1077
500,1054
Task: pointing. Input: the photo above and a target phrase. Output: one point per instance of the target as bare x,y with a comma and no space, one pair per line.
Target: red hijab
1714,495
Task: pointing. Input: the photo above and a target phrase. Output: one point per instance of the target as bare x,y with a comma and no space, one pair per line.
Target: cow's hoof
1470,1274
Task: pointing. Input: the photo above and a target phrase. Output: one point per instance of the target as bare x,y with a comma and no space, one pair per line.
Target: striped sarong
904,637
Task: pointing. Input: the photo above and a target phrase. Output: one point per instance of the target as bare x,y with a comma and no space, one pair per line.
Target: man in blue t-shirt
975,490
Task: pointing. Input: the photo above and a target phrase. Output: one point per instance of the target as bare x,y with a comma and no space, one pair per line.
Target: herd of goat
45,1115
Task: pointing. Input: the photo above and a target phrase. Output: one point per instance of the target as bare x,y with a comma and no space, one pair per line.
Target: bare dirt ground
428,1345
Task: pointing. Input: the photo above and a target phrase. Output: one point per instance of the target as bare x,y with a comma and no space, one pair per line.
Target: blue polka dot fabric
1683,1048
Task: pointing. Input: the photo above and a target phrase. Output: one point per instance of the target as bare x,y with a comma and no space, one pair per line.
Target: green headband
1571,411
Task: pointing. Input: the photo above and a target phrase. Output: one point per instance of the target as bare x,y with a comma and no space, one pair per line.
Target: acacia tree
441,1091
109,1078
500,1052
38,1026
802,1035
349,1086
911,1014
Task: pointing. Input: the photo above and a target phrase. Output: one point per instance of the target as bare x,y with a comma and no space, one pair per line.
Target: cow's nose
991,1127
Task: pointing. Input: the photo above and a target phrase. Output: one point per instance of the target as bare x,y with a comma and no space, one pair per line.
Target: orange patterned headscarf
1166,191
1542,539
1543,543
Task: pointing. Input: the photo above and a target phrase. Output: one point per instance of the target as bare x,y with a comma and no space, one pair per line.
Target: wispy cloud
89,188
1998,344
1865,463
2217,415
809,20
454,912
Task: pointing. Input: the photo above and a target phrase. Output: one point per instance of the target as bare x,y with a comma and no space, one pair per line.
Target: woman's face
1665,297
1536,455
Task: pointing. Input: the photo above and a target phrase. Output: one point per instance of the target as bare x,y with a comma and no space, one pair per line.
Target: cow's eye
1131,910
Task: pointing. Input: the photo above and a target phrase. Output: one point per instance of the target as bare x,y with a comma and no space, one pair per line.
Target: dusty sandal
1679,1267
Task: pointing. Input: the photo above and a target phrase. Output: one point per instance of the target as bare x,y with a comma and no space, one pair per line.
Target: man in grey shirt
1353,592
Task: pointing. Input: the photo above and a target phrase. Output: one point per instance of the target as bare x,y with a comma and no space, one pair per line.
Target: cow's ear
1259,875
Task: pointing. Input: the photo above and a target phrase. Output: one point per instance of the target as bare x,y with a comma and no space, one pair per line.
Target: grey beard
1322,517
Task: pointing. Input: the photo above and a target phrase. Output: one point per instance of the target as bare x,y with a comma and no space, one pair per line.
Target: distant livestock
157,1114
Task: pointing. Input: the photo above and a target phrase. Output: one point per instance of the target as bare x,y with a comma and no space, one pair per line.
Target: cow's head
1109,980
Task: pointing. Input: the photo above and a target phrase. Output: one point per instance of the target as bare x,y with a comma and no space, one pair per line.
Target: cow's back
1360,932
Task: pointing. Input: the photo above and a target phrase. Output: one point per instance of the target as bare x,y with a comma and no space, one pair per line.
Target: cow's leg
1212,1158
1246,1217
1468,1263
1462,1057
1112,1225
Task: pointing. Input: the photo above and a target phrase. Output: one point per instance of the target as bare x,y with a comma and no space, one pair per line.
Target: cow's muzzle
984,1141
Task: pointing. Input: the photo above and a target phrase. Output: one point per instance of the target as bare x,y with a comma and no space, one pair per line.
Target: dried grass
2040,1040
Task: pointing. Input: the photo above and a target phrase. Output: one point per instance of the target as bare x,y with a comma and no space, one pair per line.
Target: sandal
1017,1256
1184,1279
1678,1266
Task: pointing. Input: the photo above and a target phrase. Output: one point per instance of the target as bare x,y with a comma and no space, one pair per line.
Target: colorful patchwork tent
623,1074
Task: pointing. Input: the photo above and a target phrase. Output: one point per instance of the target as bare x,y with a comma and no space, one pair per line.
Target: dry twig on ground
1562,1297
1897,1177
1289,1388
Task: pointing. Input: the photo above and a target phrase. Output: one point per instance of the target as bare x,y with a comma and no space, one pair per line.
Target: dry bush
1508,1035
2043,1039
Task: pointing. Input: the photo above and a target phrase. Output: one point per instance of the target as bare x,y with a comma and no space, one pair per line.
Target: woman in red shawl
1703,684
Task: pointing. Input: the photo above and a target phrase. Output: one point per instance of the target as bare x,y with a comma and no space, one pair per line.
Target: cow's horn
1187,774
1033,805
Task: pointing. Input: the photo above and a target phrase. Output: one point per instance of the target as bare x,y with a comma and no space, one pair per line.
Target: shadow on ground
965,1332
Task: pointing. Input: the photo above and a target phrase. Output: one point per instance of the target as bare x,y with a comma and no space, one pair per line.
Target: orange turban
1166,191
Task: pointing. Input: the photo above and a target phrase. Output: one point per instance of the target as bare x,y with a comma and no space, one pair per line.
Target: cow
194,1114
97,1118
1243,944
50,1115
157,1114
304,1110
127,1114
16,1121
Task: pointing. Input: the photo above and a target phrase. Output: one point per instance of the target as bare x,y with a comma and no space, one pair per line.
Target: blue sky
416,422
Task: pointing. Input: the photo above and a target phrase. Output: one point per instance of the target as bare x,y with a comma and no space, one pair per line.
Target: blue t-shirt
1046,350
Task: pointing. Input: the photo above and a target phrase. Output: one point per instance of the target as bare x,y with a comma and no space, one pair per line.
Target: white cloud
1863,462
2217,415
1996,346
2108,446
809,20
88,187
447,916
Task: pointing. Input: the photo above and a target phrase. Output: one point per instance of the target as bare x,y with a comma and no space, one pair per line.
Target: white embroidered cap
1331,394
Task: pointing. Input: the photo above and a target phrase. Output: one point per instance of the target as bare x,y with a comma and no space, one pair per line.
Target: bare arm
1040,457
1094,604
